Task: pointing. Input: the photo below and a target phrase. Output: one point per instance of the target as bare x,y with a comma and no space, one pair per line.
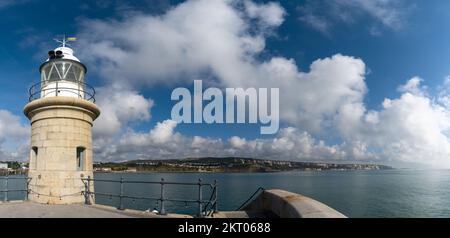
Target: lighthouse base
58,187
61,149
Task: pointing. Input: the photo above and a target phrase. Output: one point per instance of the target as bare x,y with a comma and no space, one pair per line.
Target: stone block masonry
61,148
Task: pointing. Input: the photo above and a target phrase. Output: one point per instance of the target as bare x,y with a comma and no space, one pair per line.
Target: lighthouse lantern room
62,74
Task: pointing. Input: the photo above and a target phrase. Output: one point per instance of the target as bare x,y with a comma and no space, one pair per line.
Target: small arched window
81,158
34,155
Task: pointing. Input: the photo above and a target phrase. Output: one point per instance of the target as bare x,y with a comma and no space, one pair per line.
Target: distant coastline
226,165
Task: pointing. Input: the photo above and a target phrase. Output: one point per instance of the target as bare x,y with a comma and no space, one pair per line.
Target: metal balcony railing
82,91
205,207
6,190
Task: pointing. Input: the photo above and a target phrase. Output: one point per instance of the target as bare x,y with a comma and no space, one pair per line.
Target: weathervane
64,40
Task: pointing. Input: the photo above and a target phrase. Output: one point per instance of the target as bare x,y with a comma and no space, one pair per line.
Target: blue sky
419,48
395,39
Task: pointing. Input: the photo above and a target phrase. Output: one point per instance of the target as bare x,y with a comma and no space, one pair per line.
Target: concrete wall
58,126
285,204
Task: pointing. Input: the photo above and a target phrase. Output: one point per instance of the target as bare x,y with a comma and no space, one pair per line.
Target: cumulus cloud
118,107
411,128
311,100
149,50
325,101
270,14
322,15
194,38
13,137
162,142
163,131
412,86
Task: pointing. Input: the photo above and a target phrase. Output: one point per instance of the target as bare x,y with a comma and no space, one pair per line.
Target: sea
360,194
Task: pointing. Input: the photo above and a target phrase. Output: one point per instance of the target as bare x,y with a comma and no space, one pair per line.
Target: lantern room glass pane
63,70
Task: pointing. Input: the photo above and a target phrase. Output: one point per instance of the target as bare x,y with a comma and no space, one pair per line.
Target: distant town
206,165
13,167
227,165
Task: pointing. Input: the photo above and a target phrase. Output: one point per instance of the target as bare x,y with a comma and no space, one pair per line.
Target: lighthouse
61,110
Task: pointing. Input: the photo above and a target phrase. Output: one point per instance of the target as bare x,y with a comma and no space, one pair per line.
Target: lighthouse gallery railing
58,87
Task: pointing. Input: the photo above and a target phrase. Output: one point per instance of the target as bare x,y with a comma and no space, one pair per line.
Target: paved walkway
36,210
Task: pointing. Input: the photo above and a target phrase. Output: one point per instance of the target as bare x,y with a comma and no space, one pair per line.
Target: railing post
87,191
121,194
216,187
56,88
28,188
200,213
5,198
162,209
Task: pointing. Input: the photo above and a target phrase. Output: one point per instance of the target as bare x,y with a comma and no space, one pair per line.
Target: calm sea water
390,193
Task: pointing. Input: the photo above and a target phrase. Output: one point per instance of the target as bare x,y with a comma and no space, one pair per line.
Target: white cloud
149,50
194,38
411,128
412,86
163,131
14,137
237,142
319,23
162,142
10,126
221,42
311,100
322,15
119,107
270,14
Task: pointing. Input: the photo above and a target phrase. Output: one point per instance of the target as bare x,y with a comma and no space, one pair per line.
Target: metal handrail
250,198
151,182
9,178
203,205
6,191
88,92
212,201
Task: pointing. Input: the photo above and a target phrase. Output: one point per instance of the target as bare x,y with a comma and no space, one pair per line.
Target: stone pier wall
284,204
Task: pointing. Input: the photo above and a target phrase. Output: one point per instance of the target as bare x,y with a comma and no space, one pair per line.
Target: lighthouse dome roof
67,53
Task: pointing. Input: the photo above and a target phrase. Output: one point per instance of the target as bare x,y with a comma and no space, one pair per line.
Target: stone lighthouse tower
62,110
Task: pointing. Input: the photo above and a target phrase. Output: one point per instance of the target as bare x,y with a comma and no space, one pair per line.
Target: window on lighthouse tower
34,154
81,157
